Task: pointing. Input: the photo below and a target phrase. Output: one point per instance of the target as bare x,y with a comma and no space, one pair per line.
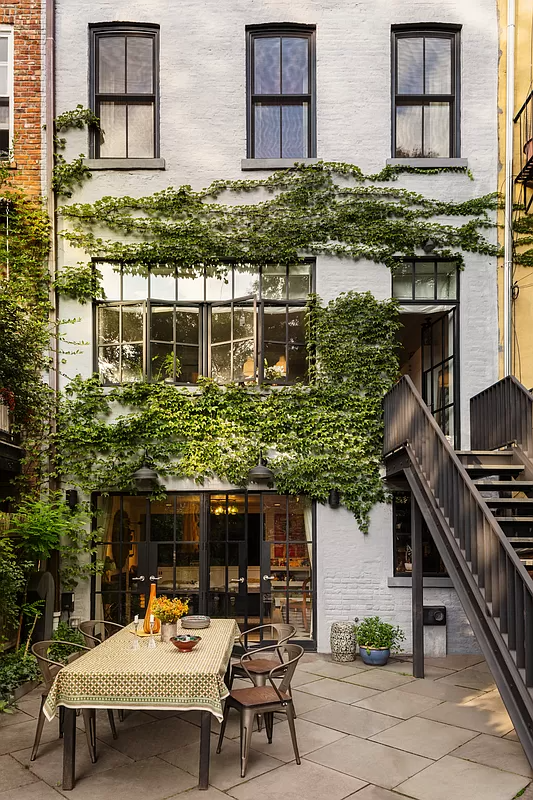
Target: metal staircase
478,506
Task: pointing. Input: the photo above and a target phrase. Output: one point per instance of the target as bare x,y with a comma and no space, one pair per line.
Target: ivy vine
322,436
67,175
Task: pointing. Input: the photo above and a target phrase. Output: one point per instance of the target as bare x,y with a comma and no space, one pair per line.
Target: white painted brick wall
203,137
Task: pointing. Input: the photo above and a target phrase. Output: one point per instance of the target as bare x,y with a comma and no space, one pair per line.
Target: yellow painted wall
522,361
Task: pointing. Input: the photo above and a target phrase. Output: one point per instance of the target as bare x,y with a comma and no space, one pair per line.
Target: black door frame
147,551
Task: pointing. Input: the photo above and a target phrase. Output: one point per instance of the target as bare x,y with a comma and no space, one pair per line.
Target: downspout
53,375
509,192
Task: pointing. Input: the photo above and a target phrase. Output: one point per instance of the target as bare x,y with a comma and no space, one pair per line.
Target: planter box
25,688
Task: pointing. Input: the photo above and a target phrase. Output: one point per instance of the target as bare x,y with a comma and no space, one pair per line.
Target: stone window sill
248,164
428,163
124,163
429,583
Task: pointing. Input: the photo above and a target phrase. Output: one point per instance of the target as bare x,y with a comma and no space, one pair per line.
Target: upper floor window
6,91
425,96
248,326
124,70
425,279
281,91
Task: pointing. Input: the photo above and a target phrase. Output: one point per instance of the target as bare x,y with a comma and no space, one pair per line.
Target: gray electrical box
434,615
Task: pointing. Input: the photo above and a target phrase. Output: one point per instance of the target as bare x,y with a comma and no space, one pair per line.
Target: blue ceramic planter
374,658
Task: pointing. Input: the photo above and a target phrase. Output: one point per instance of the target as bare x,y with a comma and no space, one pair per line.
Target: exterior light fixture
428,245
334,499
145,478
261,473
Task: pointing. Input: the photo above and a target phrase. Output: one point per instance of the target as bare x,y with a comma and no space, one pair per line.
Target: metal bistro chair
265,700
49,670
107,629
257,669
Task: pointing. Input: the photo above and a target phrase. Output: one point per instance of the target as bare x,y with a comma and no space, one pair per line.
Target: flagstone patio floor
364,734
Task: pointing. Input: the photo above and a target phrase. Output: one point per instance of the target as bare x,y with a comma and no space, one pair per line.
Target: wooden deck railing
501,414
501,589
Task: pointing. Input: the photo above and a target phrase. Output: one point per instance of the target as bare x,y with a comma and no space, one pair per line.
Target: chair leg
231,679
40,724
89,718
223,727
292,728
121,715
112,723
247,724
260,680
269,724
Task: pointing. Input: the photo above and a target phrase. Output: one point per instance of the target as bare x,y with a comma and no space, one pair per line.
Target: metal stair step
474,453
520,539
508,502
514,520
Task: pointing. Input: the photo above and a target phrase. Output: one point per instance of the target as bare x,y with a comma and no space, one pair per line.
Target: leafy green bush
61,652
16,670
373,633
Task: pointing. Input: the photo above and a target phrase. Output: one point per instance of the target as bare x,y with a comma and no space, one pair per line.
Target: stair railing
504,585
502,414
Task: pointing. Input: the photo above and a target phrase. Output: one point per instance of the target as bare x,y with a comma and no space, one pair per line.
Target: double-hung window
124,70
246,326
6,91
281,91
425,93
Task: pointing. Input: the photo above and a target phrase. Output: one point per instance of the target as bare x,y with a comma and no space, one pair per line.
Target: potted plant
168,612
376,640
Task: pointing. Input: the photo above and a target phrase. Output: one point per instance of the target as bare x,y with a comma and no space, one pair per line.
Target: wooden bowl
185,643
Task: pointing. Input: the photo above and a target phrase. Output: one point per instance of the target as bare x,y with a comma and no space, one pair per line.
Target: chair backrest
289,654
280,632
96,631
48,667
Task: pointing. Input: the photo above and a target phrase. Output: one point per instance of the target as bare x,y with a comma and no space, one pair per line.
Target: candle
136,619
152,618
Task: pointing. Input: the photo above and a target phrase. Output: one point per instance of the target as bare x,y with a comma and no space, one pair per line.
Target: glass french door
438,371
246,556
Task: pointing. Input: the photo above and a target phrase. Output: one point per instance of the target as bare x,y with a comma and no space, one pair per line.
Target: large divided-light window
247,325
425,95
124,82
281,92
6,91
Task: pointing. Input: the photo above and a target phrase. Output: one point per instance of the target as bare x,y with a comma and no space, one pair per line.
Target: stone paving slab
13,774
48,766
406,668
501,753
32,791
454,661
150,779
225,770
379,679
471,678
340,691
18,737
398,704
330,669
486,714
305,782
453,777
350,719
440,691
153,738
370,761
423,737
310,737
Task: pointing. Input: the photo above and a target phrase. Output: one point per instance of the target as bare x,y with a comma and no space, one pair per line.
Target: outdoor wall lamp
334,499
145,478
260,473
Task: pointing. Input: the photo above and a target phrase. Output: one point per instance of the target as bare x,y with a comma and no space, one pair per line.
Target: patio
364,734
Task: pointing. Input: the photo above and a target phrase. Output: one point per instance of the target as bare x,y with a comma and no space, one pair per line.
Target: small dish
185,643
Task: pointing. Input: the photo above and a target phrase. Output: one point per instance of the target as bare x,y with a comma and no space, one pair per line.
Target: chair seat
257,696
258,665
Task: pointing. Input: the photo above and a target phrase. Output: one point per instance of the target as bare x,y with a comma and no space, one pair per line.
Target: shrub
61,652
373,633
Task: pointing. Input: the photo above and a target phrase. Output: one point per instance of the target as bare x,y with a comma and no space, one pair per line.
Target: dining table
119,675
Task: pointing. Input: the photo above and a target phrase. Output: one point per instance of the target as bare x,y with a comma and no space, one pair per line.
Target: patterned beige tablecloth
113,675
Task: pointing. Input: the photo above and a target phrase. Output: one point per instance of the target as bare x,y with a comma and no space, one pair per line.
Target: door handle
153,578
140,578
269,577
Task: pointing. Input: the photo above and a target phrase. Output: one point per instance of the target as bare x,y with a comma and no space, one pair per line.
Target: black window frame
438,30
97,31
435,300
254,32
257,302
401,537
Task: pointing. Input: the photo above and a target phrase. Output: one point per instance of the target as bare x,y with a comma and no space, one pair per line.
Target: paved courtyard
364,734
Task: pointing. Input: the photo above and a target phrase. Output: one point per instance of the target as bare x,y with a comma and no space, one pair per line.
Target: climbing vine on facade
317,437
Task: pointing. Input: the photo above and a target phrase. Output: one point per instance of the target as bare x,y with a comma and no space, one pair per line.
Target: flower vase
168,629
157,623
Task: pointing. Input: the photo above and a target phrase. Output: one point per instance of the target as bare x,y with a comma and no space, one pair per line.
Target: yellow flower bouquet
169,611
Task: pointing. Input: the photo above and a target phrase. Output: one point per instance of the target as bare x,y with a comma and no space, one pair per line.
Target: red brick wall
28,47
